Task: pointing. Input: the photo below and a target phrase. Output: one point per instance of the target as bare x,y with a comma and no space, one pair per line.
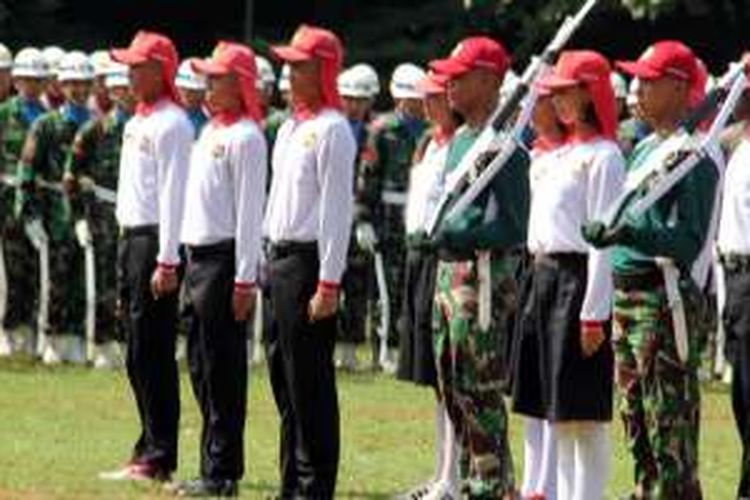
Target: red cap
591,70
432,84
149,46
310,42
667,58
473,53
230,57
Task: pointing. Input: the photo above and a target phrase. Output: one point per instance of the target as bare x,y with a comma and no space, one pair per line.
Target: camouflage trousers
660,404
21,273
67,304
393,246
104,232
470,368
357,286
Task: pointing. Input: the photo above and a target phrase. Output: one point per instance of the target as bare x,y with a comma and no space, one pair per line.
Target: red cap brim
450,67
290,54
208,67
637,69
553,82
127,56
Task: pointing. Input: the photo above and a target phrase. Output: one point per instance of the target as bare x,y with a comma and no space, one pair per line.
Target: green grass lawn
60,427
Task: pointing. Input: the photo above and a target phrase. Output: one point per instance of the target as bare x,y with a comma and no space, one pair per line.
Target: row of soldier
60,168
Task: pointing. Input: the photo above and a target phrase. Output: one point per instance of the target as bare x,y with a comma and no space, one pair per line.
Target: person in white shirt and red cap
308,224
221,231
150,198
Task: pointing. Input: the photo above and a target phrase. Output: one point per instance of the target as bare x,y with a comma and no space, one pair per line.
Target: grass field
59,427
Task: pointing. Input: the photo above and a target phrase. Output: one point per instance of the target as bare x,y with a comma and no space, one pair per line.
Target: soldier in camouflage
94,160
192,89
383,178
16,116
476,288
41,204
358,87
660,403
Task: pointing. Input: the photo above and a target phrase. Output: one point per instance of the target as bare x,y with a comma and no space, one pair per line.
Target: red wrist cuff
591,324
167,268
244,287
328,287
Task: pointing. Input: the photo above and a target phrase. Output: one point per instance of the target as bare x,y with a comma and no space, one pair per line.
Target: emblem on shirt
309,140
218,151
146,145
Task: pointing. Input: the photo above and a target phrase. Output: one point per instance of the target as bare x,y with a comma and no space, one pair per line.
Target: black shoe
207,488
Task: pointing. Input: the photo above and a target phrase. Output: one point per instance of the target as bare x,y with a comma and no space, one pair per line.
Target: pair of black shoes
203,487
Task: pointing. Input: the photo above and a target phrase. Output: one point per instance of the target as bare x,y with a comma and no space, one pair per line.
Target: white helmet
361,80
6,58
189,79
117,76
101,61
404,81
619,85
30,63
53,55
283,84
75,65
266,76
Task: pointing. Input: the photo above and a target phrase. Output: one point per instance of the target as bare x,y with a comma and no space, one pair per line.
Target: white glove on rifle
366,238
83,234
36,234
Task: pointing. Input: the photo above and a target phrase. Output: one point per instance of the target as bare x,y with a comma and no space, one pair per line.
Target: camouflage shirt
96,155
48,144
385,162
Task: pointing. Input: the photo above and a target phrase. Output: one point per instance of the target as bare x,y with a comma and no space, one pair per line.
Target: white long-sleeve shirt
311,197
426,184
569,187
734,227
226,192
153,170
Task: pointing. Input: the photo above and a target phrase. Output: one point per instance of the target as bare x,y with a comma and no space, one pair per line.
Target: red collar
442,135
545,144
226,119
147,108
578,138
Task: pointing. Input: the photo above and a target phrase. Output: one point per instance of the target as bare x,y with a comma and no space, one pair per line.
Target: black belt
219,248
283,249
557,259
652,278
134,231
735,262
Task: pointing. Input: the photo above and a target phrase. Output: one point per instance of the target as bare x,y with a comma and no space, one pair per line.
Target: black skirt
416,352
551,377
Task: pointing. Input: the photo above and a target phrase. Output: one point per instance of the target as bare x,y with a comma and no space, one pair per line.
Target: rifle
673,160
101,193
499,145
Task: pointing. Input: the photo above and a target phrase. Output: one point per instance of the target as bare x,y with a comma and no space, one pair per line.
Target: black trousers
151,365
300,359
217,355
736,318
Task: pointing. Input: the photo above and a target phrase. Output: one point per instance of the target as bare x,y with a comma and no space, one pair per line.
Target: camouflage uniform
470,359
382,185
96,155
47,146
16,116
357,283
661,401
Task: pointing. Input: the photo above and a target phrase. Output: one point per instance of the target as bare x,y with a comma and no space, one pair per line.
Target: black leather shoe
207,488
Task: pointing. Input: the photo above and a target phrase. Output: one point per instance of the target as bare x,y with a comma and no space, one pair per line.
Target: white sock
592,461
533,440
449,473
440,420
565,463
547,479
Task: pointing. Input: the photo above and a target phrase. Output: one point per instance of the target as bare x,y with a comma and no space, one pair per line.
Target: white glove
36,234
366,238
83,233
